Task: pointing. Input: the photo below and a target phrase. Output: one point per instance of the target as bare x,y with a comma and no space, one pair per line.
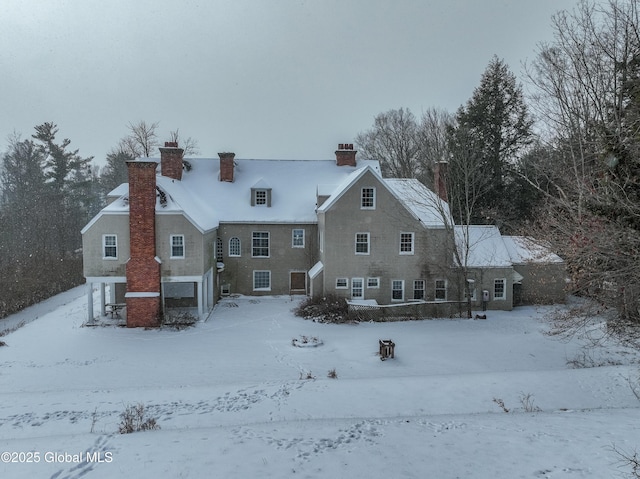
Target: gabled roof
339,189
419,200
207,202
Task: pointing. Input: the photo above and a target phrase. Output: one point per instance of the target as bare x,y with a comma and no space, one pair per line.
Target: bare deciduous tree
393,140
189,145
586,92
433,140
142,139
405,147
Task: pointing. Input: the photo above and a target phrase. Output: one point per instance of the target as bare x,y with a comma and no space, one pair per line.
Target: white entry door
357,288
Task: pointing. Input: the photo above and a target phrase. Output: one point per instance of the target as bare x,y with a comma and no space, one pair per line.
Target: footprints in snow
563,471
77,471
237,401
363,431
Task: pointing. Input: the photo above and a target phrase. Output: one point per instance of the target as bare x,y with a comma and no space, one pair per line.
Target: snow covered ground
230,401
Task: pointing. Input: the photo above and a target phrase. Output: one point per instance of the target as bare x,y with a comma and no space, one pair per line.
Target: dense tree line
48,193
562,164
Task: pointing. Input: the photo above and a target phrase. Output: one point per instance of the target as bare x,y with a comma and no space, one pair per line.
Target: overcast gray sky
265,79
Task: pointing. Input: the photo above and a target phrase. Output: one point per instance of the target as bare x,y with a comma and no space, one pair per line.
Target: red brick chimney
345,155
143,269
440,179
171,160
226,166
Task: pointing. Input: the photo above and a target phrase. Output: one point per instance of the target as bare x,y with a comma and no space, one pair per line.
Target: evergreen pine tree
498,119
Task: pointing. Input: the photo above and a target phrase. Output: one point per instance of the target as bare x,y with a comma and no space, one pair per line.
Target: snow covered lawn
230,401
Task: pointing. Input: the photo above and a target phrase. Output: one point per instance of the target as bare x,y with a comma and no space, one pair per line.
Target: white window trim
254,280
353,282
255,197
435,289
368,243
184,249
293,238
377,282
401,281
413,242
504,289
104,247
239,254
268,245
424,292
372,188
346,283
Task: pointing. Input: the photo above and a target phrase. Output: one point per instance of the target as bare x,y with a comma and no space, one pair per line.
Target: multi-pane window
441,290
177,246
418,289
262,280
499,291
373,282
368,198
406,243
261,197
260,244
342,283
357,288
362,243
397,290
297,238
110,246
219,249
234,246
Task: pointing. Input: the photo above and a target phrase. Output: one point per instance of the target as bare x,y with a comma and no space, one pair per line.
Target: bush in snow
178,319
329,309
306,342
500,404
133,420
527,403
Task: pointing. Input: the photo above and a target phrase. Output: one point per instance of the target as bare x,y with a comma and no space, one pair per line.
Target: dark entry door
298,282
517,295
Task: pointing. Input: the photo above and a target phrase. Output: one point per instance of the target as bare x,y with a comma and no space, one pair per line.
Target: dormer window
261,197
261,194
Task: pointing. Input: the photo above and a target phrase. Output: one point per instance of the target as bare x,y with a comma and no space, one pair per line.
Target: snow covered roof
523,249
484,246
421,201
489,249
316,269
206,201
339,189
